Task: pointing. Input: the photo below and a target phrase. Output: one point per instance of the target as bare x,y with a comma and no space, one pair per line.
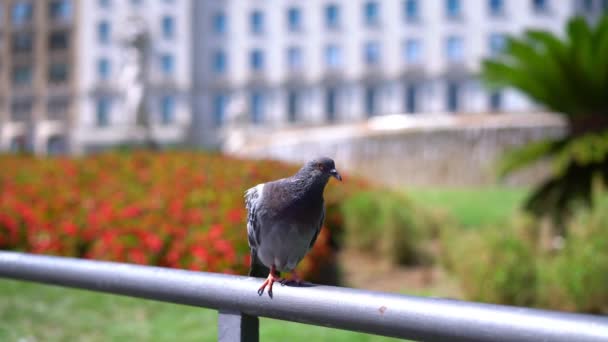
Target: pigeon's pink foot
272,278
293,280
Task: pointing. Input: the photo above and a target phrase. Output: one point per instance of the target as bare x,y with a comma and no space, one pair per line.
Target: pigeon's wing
253,198
318,229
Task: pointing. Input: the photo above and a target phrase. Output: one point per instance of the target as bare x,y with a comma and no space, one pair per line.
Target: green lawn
473,207
33,312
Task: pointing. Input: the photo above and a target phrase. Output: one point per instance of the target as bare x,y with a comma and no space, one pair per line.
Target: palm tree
568,76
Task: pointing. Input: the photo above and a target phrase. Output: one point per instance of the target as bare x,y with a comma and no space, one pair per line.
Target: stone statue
133,78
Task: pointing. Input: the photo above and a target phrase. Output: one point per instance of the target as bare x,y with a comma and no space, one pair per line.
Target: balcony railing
236,299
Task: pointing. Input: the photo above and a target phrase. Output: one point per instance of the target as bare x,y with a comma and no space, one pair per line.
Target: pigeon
284,219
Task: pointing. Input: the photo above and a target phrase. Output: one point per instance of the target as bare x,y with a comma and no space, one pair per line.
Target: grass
34,312
473,207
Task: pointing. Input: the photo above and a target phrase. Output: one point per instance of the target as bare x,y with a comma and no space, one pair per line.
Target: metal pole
428,319
235,326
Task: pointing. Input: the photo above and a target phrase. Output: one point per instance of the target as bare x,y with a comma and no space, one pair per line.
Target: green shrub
492,266
388,224
576,279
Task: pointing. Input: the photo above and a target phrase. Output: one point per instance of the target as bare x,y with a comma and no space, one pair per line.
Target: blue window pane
257,22
167,64
22,75
103,68
496,7
294,19
497,42
454,49
136,2
540,5
411,97
412,51
104,3
370,101
168,25
453,9
333,56
220,102
372,13
219,23
256,60
167,110
453,97
292,106
102,114
219,62
103,32
331,99
496,101
294,58
332,16
411,10
60,10
22,12
372,53
257,107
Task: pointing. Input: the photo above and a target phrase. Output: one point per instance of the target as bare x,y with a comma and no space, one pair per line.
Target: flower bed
174,209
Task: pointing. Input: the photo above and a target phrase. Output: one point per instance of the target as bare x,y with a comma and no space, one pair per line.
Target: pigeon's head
321,167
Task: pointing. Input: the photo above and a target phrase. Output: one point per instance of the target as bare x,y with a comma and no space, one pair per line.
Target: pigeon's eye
320,166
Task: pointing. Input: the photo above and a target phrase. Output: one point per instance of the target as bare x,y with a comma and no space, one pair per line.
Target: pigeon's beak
336,174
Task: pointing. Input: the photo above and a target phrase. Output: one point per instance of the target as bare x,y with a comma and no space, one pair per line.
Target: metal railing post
234,326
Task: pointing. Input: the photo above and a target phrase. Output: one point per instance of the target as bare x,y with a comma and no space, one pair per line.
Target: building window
58,73
22,75
454,49
256,60
168,26
496,43
333,56
23,42
60,10
18,144
372,53
292,106
167,110
22,12
21,109
103,68
496,101
371,94
294,58
412,51
57,108
587,6
257,107
540,6
411,99
56,145
219,23
411,10
219,62
58,40
453,97
256,22
167,64
103,32
136,2
371,11
332,16
220,101
453,9
102,113
496,7
104,3
294,19
331,99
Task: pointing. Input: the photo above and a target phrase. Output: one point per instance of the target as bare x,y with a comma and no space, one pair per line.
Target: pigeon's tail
256,269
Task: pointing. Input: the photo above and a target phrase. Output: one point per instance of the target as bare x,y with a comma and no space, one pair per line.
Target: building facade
37,74
289,62
64,75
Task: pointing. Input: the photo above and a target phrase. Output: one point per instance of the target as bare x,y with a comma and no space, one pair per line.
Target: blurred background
473,135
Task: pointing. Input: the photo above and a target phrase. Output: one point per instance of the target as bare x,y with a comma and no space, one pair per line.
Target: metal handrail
418,318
